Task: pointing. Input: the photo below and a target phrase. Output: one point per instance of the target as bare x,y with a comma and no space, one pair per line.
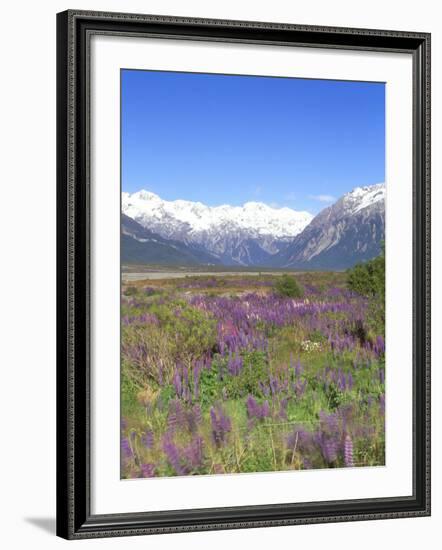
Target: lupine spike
348,452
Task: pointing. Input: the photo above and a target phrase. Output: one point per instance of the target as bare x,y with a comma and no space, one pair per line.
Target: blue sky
224,139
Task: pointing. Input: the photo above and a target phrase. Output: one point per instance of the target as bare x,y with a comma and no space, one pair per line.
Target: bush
210,385
288,286
368,279
131,291
190,331
255,369
216,381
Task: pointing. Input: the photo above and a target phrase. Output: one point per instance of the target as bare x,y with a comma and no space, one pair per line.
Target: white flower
309,346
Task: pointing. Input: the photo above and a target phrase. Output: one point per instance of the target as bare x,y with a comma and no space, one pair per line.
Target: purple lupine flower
147,470
328,445
193,418
265,390
185,372
382,403
172,453
197,413
196,378
218,469
194,452
255,411
380,345
176,417
382,376
177,383
160,373
292,439
328,436
234,365
145,318
283,408
252,406
147,439
126,449
341,382
274,385
265,409
348,452
148,290
346,413
329,422
299,388
301,440
221,426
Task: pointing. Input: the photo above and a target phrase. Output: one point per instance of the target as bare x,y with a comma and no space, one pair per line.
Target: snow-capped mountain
142,246
243,235
346,232
158,231
363,197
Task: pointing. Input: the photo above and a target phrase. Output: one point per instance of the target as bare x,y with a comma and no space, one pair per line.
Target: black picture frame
74,518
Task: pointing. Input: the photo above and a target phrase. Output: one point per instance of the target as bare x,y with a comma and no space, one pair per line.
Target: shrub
191,331
317,336
147,354
368,279
209,385
255,369
286,285
131,291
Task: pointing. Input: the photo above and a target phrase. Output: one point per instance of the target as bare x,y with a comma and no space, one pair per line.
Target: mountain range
190,233
140,245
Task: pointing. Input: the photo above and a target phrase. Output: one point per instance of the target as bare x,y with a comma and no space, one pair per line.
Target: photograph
252,260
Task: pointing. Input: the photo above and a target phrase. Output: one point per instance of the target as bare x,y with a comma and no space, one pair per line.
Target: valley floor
128,276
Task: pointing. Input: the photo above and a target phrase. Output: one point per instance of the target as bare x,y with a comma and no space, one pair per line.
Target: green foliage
131,291
255,369
334,396
286,285
259,459
210,386
129,392
215,382
167,393
191,331
368,279
317,336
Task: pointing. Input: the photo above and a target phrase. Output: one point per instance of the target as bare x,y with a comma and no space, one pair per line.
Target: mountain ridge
349,231
235,234
140,245
256,234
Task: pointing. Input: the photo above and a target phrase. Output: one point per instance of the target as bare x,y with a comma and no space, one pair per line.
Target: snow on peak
361,197
256,218
144,195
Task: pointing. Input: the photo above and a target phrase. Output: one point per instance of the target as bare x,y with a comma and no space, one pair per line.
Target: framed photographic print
243,274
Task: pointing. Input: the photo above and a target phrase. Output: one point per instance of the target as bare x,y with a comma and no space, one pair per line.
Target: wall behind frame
27,407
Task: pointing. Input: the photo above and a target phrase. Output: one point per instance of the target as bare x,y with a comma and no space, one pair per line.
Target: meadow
250,373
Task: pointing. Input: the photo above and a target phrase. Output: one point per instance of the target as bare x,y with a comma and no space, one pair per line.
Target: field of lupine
223,374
